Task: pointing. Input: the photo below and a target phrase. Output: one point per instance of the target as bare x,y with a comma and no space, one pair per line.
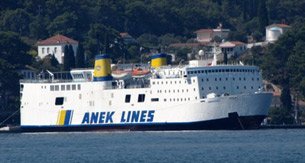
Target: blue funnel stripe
102,56
161,55
104,78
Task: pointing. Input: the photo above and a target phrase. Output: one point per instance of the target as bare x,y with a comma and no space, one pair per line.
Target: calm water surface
191,146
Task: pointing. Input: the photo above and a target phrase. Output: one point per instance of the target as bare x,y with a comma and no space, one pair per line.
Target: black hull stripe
231,123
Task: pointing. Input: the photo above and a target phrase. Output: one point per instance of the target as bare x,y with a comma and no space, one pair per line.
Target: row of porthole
219,79
179,99
237,87
221,70
173,91
168,82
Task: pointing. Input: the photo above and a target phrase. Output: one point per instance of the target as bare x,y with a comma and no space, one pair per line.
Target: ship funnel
158,60
102,68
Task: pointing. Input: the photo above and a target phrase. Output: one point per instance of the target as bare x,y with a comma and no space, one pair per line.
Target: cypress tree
66,58
80,57
71,57
262,15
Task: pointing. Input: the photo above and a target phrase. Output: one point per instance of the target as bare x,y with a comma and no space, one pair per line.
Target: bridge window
127,98
155,99
141,98
59,101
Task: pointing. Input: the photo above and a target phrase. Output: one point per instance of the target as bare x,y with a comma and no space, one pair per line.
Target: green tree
262,15
67,59
13,57
71,56
17,21
80,57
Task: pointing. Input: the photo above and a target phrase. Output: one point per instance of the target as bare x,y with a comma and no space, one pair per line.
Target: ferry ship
196,96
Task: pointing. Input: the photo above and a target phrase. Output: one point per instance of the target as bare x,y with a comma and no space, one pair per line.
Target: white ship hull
229,112
168,98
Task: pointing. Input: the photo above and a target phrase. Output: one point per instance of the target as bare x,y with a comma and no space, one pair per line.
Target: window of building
68,87
42,50
127,98
48,50
62,87
55,50
59,101
52,87
78,87
141,98
56,87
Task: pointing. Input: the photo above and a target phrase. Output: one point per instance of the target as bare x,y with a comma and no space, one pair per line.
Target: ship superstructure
182,97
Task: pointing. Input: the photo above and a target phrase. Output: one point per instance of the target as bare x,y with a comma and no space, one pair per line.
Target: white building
233,48
274,31
207,35
56,46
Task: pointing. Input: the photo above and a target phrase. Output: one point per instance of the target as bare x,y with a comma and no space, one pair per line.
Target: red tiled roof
278,25
229,44
179,45
204,30
57,39
123,34
237,42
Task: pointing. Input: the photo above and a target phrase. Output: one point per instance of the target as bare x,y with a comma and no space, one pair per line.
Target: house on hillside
56,45
274,31
233,48
208,35
127,38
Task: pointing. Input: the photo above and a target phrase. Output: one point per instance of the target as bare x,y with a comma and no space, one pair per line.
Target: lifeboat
139,72
121,74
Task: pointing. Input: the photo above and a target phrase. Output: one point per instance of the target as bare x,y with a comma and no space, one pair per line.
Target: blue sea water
277,145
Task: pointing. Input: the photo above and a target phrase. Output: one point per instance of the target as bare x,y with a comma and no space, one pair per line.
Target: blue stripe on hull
233,123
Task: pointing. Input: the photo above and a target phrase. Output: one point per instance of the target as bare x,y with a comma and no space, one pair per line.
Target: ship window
59,101
52,87
56,87
68,87
73,87
62,87
155,99
141,98
127,98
